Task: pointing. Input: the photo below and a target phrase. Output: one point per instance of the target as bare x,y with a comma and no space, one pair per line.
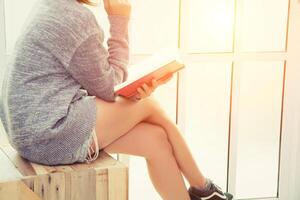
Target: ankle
204,186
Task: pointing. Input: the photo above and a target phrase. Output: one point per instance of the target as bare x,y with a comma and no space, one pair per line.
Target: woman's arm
97,69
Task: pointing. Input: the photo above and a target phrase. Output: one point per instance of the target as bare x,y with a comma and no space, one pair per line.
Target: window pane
257,127
166,95
211,26
140,186
262,25
154,25
207,98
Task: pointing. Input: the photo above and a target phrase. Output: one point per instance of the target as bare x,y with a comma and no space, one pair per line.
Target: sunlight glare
211,26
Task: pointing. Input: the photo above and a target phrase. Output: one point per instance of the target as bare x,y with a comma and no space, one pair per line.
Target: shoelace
218,188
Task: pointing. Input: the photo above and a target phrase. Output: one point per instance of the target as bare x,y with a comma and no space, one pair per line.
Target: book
160,66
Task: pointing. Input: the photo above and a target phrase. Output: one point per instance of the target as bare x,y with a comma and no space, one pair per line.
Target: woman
59,107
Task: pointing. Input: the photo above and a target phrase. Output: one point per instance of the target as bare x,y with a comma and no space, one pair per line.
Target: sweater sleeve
97,69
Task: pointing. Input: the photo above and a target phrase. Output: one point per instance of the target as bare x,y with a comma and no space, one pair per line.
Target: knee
151,105
159,144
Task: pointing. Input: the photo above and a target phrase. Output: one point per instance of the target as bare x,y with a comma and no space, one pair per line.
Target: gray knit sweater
58,67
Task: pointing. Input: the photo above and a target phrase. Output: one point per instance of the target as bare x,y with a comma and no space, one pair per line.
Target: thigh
145,139
114,119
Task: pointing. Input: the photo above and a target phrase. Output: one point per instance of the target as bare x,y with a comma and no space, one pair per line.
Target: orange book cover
159,66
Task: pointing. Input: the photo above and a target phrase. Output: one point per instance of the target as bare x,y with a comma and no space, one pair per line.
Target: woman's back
40,98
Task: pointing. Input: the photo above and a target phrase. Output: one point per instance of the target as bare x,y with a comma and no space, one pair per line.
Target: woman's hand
117,7
146,90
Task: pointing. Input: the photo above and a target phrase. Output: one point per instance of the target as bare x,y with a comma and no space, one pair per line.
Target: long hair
88,2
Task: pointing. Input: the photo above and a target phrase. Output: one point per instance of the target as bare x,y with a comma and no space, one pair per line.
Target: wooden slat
68,186
20,163
83,184
7,169
57,189
42,169
103,179
16,191
26,193
48,187
29,181
66,169
102,184
104,161
117,183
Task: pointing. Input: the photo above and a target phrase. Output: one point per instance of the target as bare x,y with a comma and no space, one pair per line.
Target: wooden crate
103,179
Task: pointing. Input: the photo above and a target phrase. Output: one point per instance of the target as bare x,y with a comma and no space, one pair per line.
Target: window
229,105
210,26
257,110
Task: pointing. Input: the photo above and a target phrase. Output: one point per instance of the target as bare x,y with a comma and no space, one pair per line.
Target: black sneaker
214,192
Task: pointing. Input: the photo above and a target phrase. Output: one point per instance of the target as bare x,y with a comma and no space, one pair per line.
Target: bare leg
150,141
182,153
117,118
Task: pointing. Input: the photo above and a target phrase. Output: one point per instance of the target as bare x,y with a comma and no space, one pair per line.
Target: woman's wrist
118,7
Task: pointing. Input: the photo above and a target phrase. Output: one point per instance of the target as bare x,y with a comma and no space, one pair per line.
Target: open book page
149,65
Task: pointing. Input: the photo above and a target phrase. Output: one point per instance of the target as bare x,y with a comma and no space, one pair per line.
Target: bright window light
210,26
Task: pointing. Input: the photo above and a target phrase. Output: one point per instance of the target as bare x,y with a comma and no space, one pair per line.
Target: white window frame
287,188
289,174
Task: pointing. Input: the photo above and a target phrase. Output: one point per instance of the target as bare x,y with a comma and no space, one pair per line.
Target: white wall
2,41
2,32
